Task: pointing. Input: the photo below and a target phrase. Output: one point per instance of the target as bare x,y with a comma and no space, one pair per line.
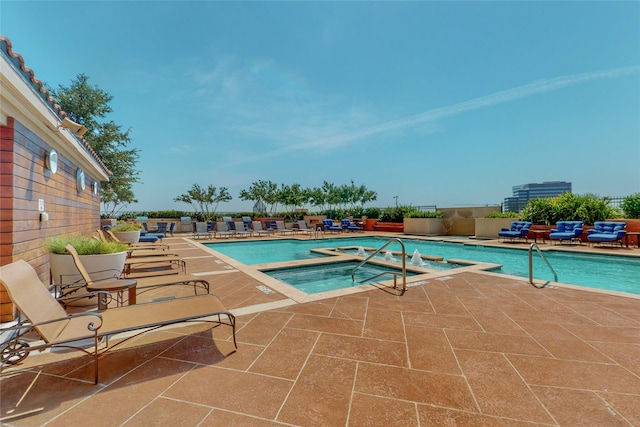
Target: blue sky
445,103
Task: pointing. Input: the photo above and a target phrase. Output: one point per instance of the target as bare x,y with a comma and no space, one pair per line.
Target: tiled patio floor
469,349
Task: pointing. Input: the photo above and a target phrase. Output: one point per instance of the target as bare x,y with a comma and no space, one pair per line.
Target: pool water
596,271
328,277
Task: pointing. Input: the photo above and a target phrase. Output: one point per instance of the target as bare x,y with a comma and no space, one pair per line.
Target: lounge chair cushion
518,229
606,231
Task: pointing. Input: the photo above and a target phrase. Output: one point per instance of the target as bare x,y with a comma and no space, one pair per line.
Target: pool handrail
544,258
395,275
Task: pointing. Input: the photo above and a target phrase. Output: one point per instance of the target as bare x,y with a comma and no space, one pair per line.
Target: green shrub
631,206
396,214
372,213
122,227
538,211
424,214
84,245
502,215
568,207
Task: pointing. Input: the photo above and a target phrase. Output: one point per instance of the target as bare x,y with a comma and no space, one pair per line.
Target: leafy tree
293,196
202,199
631,206
261,193
86,105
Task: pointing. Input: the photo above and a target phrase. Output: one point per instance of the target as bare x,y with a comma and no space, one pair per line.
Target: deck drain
264,289
218,261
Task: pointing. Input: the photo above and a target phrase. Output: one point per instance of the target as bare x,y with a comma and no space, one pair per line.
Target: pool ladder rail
544,258
393,273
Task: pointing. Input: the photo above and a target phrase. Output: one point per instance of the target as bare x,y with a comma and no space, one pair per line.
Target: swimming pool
591,270
316,279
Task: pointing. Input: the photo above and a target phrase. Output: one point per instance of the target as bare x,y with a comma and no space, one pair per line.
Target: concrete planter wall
103,266
423,226
128,236
489,227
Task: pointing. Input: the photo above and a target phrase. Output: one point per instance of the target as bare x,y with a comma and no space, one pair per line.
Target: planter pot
64,272
369,223
423,226
128,236
489,227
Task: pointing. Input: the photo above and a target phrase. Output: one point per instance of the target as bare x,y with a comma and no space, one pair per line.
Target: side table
632,233
117,286
541,233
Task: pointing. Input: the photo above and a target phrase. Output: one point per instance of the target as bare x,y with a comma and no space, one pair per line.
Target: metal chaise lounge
518,230
607,232
241,231
567,231
257,229
282,229
328,226
348,225
302,227
222,229
44,315
142,245
202,230
144,284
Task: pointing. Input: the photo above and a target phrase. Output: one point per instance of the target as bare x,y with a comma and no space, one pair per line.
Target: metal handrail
544,258
395,275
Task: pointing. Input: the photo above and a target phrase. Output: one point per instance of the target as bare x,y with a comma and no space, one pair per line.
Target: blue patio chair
328,226
348,225
607,232
518,230
171,228
246,221
567,231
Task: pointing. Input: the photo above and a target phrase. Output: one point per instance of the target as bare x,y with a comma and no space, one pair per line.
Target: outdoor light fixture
80,184
52,161
94,188
74,127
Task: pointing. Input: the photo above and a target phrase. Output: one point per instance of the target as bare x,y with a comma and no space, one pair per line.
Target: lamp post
396,197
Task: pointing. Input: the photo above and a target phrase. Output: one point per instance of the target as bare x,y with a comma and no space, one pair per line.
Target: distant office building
523,193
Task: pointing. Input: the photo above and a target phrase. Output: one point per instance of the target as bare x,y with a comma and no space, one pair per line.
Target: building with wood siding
49,176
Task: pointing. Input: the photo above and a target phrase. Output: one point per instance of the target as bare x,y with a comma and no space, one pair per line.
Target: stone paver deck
469,349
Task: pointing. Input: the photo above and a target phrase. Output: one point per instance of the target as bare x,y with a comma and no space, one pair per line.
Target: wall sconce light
80,184
74,127
44,217
94,187
52,161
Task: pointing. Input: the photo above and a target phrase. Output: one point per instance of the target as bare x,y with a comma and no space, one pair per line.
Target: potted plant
101,259
126,232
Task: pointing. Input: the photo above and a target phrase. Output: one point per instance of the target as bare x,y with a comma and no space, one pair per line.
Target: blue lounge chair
348,225
328,226
607,232
567,230
518,230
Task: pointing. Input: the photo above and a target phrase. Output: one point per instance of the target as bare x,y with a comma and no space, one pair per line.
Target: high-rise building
525,192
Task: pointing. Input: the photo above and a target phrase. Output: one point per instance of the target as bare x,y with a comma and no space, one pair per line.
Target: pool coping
256,271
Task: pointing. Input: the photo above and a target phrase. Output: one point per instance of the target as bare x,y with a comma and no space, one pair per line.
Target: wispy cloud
535,88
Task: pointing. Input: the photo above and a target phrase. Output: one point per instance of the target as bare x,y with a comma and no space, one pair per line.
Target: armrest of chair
578,231
504,229
591,231
553,230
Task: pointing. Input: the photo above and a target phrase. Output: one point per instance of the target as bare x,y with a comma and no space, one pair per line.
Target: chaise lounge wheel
14,352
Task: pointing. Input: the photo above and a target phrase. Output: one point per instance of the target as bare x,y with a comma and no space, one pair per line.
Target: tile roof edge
49,98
